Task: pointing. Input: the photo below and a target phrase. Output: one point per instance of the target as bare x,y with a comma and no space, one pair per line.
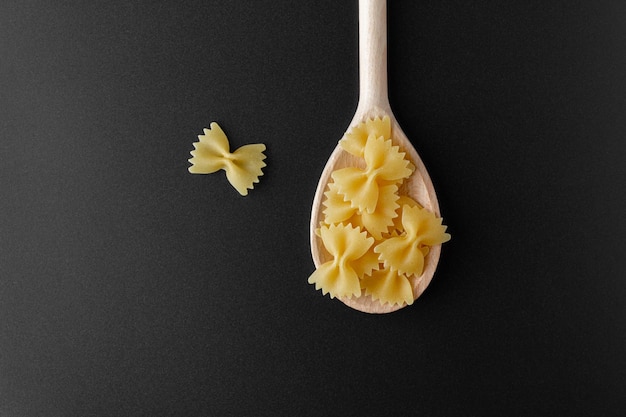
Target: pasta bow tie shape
383,163
338,210
420,230
243,167
338,277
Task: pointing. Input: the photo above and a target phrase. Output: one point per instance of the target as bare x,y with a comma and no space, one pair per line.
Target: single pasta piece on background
243,167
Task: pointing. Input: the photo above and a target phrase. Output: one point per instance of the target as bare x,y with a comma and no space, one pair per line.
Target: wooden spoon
374,102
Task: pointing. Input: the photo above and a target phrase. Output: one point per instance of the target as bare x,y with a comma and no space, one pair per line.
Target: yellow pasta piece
337,210
357,187
405,253
367,263
338,277
383,162
243,167
402,201
379,221
388,286
406,200
354,141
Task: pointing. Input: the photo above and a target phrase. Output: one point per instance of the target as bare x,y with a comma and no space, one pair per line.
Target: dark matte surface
129,287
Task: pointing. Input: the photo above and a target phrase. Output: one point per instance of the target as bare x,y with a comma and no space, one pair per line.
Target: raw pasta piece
388,286
354,141
406,200
355,221
383,162
402,201
212,152
338,277
405,253
366,263
425,226
357,187
381,219
397,221
338,210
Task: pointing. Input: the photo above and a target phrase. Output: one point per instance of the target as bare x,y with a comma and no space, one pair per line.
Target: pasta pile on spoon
376,237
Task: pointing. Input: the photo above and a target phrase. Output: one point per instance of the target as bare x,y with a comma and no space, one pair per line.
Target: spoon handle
373,90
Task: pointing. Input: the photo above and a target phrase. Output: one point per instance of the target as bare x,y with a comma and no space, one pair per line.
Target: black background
129,287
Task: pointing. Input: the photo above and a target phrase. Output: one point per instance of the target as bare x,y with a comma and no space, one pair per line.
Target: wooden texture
374,102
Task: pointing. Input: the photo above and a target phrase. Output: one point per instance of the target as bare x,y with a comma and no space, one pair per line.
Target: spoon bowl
374,103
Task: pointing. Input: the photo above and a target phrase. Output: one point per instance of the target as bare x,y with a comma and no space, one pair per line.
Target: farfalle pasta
388,286
364,203
338,277
354,141
243,167
420,230
384,163
338,210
